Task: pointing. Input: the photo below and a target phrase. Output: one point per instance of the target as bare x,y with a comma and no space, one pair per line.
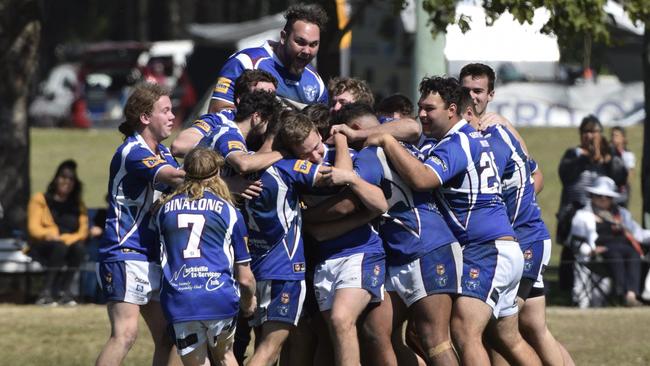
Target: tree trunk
645,163
19,40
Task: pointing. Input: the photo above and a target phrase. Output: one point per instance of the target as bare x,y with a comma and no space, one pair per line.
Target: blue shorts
491,273
135,282
278,300
437,272
536,257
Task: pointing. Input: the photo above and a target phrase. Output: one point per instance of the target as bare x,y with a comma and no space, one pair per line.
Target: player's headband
209,175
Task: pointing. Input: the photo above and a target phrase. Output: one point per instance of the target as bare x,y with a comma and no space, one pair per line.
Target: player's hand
351,134
338,177
376,139
243,187
51,237
249,309
491,119
600,249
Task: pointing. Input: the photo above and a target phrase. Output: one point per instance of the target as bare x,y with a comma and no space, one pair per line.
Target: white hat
603,186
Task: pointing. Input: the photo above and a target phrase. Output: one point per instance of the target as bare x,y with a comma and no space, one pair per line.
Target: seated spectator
578,169
605,229
58,227
619,148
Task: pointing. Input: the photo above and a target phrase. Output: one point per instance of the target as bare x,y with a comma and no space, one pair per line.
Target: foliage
568,17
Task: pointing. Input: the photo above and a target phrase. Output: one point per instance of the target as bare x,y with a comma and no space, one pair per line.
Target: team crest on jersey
436,160
152,161
311,92
302,166
203,125
473,273
440,269
222,85
299,267
284,298
236,145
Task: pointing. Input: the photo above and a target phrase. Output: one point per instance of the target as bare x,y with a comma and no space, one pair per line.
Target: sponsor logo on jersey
284,298
299,267
202,125
476,135
236,145
152,161
436,160
222,85
302,166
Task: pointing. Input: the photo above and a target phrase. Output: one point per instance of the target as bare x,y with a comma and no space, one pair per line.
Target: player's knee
341,323
126,336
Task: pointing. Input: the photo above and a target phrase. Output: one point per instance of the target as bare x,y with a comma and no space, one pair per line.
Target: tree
20,31
569,18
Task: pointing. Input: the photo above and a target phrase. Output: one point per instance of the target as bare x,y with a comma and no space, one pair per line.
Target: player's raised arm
245,163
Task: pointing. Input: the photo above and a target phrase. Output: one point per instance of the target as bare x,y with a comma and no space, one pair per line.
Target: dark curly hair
250,78
260,101
448,89
309,13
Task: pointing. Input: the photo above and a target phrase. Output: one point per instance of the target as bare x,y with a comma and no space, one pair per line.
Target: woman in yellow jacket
58,227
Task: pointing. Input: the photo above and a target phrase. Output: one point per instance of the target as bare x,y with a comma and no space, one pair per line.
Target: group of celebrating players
325,224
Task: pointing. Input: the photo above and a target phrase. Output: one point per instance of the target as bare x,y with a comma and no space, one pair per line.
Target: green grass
74,336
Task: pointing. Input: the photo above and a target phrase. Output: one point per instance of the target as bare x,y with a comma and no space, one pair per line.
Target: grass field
74,336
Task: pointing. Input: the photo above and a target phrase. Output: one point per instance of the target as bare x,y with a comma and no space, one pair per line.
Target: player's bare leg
509,342
124,331
300,347
267,350
341,319
405,355
532,320
164,352
376,330
470,317
432,315
223,354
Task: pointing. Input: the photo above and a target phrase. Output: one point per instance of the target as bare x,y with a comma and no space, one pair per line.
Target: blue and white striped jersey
517,185
275,223
131,188
363,239
225,139
201,240
470,195
307,88
413,226
209,122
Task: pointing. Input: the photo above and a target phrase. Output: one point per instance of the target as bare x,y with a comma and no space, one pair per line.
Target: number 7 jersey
470,194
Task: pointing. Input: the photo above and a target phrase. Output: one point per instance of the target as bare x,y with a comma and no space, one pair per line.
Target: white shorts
491,273
193,334
360,270
135,282
437,272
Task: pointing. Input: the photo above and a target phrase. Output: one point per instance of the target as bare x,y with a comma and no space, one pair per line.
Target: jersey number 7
198,221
